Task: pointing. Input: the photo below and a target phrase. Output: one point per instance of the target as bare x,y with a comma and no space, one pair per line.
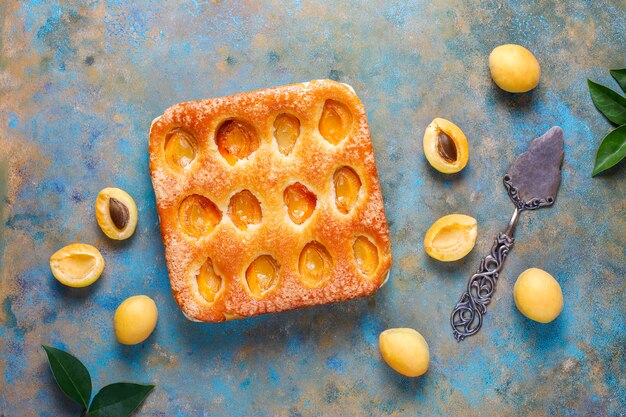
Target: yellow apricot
451,237
514,68
116,213
77,265
445,146
538,295
405,350
135,319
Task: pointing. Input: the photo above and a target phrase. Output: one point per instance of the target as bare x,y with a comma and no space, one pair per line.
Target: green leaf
70,374
118,400
611,104
620,77
612,149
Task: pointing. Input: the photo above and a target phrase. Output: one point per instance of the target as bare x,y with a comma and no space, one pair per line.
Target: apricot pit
451,237
445,146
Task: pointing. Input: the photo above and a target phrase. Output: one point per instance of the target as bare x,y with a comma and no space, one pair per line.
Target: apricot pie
269,201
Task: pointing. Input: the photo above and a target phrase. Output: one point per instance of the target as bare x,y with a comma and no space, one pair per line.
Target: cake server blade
532,182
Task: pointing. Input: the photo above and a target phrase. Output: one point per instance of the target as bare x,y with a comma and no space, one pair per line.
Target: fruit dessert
269,201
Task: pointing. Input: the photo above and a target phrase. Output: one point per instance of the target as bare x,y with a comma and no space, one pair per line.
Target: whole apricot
538,295
514,68
135,319
405,350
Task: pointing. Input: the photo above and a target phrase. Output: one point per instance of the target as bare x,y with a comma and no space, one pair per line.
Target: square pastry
269,201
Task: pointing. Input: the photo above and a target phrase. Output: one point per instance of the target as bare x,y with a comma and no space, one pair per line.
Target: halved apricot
180,148
365,255
236,140
262,276
445,146
198,216
286,132
209,282
315,265
451,237
77,265
335,122
300,202
244,209
347,186
116,213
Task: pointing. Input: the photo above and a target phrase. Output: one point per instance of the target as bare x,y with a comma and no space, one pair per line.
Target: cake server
532,182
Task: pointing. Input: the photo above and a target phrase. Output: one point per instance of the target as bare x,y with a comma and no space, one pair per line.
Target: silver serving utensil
532,182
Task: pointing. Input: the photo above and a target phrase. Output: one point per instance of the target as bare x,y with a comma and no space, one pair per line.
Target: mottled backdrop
80,83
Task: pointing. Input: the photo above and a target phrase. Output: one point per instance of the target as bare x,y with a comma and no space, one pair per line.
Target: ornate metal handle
467,316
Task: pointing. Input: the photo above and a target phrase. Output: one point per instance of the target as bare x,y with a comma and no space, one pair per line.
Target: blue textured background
80,83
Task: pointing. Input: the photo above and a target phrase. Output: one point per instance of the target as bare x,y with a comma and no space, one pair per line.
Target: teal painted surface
80,83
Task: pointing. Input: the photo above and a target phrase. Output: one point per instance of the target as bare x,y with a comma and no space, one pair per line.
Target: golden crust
266,173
